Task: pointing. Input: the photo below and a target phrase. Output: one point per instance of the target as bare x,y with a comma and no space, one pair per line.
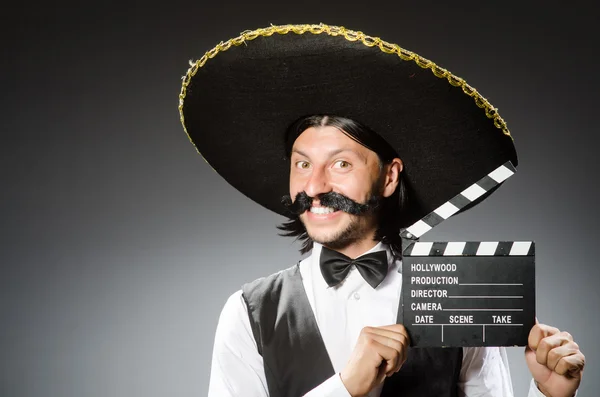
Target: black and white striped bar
475,248
468,293
461,200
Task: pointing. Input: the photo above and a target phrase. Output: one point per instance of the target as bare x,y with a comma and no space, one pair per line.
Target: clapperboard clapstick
467,293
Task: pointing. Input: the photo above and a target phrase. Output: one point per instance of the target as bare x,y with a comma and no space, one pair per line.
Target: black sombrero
238,100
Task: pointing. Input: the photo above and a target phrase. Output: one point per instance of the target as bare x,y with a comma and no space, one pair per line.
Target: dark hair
360,133
390,211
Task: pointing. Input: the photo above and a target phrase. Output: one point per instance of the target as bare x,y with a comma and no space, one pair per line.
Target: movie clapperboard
467,293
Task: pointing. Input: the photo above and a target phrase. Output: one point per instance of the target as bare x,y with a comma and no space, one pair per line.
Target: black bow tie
335,266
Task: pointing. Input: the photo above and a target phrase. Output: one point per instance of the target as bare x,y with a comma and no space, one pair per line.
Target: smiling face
324,159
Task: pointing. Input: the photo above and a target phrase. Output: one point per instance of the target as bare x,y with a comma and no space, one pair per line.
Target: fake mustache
334,200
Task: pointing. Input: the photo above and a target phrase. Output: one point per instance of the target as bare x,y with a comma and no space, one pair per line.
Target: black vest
296,360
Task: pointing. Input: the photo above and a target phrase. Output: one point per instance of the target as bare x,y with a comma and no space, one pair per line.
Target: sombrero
238,100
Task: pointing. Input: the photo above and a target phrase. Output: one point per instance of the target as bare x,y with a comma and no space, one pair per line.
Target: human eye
302,164
343,164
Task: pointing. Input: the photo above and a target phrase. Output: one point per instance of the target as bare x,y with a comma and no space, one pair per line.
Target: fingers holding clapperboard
555,361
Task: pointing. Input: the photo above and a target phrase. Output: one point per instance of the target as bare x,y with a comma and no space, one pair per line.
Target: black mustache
334,200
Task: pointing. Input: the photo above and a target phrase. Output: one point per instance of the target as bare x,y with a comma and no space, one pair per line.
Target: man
391,143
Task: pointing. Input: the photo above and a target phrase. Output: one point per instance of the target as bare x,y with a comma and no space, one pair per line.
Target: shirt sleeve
534,391
332,387
485,373
237,367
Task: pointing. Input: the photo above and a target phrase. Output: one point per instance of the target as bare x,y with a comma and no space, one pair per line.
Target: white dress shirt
341,312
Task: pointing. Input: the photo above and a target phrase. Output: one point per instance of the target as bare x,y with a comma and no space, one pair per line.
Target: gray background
119,245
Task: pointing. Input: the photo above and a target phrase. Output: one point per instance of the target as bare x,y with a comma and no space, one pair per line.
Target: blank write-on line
482,310
487,284
487,296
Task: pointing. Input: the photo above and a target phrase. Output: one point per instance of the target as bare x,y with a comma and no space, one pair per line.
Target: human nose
318,183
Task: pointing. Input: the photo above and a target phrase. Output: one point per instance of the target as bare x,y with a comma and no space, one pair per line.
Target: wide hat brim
238,100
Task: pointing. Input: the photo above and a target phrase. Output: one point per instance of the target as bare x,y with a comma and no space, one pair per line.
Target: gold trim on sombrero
389,48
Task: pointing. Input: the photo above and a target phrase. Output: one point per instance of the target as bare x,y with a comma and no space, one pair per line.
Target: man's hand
554,360
379,352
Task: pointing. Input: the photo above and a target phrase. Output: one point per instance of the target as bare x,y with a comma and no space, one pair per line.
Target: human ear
392,176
